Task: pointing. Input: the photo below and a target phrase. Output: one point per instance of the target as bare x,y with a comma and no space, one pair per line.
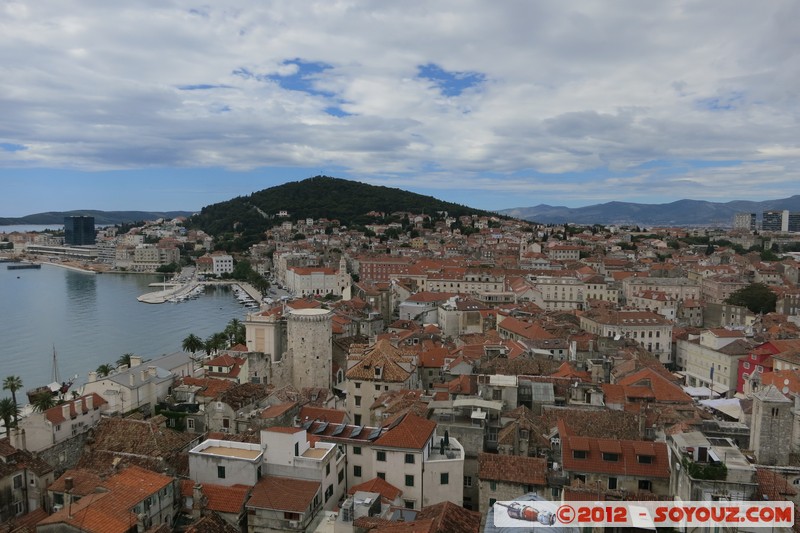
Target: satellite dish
786,381
785,390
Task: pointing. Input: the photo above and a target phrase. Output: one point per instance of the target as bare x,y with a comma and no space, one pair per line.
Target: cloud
546,101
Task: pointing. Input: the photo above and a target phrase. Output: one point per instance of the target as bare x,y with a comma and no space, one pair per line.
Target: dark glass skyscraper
79,231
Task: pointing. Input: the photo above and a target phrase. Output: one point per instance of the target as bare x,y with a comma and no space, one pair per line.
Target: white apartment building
39,431
408,454
712,360
222,264
650,330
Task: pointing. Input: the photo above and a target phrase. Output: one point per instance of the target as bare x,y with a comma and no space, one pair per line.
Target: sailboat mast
56,376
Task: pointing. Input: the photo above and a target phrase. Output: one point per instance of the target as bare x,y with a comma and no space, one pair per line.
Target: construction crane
529,513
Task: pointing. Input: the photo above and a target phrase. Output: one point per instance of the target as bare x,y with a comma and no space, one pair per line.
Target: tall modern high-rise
79,231
745,221
794,222
773,220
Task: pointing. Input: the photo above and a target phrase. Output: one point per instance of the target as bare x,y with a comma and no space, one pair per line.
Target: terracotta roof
627,462
210,387
773,486
219,498
412,432
384,356
388,491
55,415
111,511
661,388
512,469
283,494
322,413
274,411
84,482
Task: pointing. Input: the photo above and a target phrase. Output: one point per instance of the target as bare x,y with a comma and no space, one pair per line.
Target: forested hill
318,197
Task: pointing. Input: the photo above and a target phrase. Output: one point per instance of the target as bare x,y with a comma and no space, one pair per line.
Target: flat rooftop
315,453
232,452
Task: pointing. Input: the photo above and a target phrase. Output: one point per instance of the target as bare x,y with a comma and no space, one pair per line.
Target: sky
173,105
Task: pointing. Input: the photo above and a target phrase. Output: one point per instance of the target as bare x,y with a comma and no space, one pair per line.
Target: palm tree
192,343
235,331
215,342
104,370
125,359
8,410
42,402
13,384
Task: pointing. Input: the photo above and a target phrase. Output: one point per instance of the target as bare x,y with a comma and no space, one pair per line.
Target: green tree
769,255
757,297
42,402
104,370
125,359
235,332
192,343
13,384
8,410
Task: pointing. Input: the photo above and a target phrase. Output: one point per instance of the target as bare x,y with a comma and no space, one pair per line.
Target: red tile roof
322,413
388,491
512,469
274,411
283,494
413,432
627,463
55,415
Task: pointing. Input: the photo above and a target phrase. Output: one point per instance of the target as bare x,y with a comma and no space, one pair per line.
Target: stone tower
343,280
310,348
771,426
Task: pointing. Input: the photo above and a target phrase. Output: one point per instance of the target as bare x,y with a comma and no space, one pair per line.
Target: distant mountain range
101,218
680,213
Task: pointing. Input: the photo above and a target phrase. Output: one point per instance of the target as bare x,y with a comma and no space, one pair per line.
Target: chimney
136,360
78,407
151,370
132,379
89,402
143,375
92,376
18,439
65,411
197,501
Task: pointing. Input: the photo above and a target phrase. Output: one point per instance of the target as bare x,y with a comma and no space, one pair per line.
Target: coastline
68,267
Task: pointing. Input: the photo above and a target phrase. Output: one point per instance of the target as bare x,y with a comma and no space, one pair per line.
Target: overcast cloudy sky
173,105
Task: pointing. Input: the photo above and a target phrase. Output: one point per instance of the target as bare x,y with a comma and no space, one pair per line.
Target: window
328,469
356,450
190,423
645,459
409,480
296,449
409,504
493,485
358,385
497,394
612,483
645,484
291,516
580,477
492,501
328,492
578,454
382,475
221,472
468,481
381,456
377,386
610,457
18,481
356,471
19,508
444,478
226,422
341,475
409,458
358,401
